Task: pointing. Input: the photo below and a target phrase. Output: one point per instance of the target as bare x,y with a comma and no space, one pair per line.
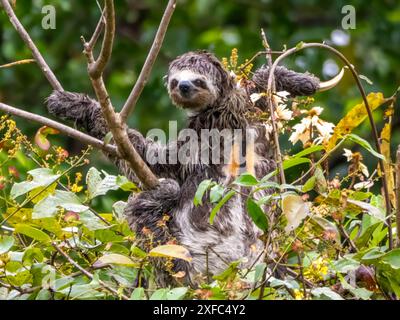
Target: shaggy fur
198,83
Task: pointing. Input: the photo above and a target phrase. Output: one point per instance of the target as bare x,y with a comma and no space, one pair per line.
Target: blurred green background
373,47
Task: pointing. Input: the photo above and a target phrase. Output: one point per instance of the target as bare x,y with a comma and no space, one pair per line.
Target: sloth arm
297,84
86,114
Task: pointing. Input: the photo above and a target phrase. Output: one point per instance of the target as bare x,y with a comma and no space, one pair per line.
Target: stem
87,273
28,41
272,108
78,135
369,112
117,127
148,65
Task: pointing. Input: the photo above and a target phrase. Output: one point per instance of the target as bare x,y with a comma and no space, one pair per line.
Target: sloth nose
185,86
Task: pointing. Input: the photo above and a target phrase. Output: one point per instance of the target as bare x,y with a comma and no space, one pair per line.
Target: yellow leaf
38,194
172,251
295,210
354,118
385,148
115,258
22,216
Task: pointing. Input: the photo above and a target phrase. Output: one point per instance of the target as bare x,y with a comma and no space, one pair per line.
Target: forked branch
117,127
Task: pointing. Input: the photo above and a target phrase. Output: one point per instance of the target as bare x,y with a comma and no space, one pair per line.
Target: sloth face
191,90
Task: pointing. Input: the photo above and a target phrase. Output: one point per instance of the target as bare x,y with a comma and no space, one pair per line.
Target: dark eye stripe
173,83
200,83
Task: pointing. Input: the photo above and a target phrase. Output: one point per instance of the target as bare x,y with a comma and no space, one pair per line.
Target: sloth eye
173,83
200,83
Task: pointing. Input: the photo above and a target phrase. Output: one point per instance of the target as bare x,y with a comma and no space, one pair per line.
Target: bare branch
118,128
87,273
78,135
148,65
272,109
97,32
17,63
96,69
28,41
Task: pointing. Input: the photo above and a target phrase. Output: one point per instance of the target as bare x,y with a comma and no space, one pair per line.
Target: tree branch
28,41
87,273
76,134
96,69
369,112
148,65
117,127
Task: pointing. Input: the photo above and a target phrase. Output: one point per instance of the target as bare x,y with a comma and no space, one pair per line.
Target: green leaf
117,259
309,185
203,187
300,45
177,293
48,207
219,205
229,272
365,144
392,258
257,214
325,293
294,162
6,243
91,221
321,186
259,271
216,193
138,294
125,184
40,178
160,294
246,180
98,186
118,210
32,232
307,151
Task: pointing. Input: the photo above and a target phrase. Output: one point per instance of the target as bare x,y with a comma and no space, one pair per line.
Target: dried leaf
295,210
354,118
171,251
115,258
385,149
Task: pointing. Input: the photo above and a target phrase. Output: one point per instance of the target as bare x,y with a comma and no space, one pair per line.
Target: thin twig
17,63
369,112
76,134
272,104
117,127
96,69
148,65
28,41
87,273
97,32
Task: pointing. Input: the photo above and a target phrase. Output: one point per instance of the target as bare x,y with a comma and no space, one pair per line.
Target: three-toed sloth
213,100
